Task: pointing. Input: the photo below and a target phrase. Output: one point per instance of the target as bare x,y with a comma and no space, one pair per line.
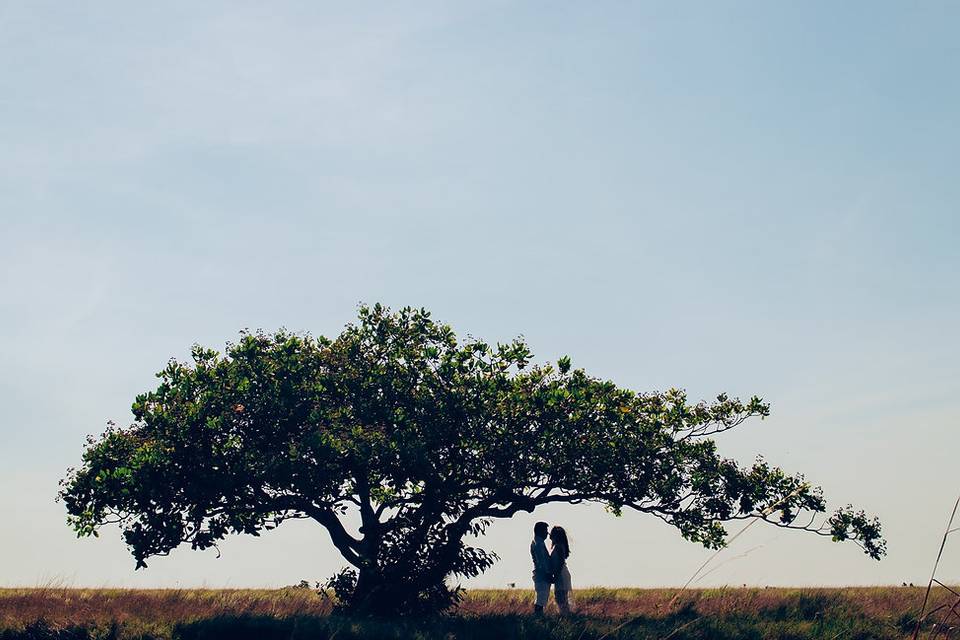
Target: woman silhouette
559,552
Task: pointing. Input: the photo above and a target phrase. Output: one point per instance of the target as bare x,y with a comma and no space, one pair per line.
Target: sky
742,197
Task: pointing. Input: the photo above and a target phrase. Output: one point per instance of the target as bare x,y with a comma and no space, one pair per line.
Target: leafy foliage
426,437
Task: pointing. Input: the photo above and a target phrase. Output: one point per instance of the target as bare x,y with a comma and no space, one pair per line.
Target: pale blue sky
745,197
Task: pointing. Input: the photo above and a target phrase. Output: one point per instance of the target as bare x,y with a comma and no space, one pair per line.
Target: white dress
559,565
563,580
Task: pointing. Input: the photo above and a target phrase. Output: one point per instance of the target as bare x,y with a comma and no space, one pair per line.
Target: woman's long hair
559,537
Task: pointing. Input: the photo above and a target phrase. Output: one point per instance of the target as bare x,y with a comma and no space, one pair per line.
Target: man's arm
542,561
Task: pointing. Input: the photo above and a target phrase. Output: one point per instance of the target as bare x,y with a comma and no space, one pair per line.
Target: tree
425,439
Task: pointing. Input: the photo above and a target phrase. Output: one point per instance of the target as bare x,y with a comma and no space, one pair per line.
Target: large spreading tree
426,438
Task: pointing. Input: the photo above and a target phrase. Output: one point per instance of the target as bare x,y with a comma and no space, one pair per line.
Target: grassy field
295,613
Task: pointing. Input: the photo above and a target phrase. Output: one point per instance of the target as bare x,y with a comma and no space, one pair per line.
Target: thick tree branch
343,541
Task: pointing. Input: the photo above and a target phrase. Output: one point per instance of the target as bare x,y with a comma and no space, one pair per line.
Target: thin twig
680,628
729,560
947,588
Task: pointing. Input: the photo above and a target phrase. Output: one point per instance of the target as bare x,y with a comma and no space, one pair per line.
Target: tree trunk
367,597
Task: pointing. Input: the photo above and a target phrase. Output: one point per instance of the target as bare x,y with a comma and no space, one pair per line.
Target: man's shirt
541,560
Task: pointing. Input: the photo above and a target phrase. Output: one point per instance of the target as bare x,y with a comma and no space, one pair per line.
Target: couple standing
550,567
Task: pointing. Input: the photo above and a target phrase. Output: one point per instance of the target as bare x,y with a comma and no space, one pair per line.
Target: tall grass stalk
766,512
933,574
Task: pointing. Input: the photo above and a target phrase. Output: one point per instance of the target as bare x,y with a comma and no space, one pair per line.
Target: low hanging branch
427,438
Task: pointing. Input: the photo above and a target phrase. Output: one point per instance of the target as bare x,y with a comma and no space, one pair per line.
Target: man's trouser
543,592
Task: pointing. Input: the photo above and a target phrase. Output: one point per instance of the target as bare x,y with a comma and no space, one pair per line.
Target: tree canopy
426,438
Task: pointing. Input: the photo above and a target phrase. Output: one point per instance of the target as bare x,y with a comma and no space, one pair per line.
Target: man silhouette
542,576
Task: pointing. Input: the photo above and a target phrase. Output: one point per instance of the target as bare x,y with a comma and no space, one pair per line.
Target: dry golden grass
883,612
62,605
